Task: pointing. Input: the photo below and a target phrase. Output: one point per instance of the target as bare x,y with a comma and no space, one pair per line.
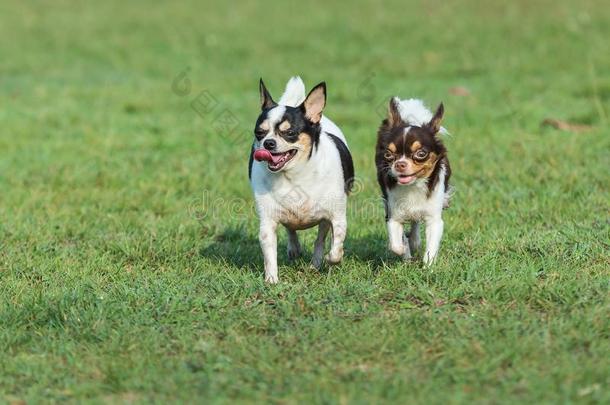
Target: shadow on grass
239,248
369,249
235,246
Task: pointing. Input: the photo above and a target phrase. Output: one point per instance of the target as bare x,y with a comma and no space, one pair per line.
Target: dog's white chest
412,203
300,201
288,203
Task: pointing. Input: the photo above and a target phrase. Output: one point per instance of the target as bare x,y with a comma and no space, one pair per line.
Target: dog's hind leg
268,239
339,230
414,238
294,247
318,248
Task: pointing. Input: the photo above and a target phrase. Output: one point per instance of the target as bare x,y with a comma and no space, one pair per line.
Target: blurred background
126,213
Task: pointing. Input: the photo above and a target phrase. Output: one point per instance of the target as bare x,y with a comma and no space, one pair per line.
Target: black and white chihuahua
301,172
413,172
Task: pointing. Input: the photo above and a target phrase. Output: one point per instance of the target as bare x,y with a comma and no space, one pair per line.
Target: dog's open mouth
275,161
407,178
278,160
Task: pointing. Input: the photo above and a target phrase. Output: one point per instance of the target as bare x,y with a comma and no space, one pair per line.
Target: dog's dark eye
420,154
388,155
290,134
259,133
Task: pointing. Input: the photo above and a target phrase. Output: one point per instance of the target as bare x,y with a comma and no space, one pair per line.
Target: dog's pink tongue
406,179
263,155
276,158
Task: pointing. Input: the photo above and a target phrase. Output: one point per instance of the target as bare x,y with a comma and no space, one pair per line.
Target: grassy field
129,266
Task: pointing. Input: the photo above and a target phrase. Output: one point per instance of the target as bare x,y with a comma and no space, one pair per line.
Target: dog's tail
294,93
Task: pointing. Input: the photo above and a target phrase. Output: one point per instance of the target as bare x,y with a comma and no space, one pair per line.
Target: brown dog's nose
401,166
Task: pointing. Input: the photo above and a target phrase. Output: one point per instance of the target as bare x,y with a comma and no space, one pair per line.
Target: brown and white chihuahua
413,172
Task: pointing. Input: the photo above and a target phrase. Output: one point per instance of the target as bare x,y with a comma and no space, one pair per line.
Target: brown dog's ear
266,100
394,118
435,123
314,103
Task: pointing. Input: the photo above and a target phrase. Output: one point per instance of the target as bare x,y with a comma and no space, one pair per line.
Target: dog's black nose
270,144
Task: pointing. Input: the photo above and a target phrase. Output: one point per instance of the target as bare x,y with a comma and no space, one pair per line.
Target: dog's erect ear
394,118
266,100
314,103
435,123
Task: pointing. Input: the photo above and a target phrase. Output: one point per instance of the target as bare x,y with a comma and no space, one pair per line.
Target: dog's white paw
398,250
271,279
428,259
334,257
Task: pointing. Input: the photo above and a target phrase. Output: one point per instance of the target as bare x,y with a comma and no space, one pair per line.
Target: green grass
129,265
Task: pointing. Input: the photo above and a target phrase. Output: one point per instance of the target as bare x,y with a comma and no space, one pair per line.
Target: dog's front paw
271,278
428,259
334,257
398,250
